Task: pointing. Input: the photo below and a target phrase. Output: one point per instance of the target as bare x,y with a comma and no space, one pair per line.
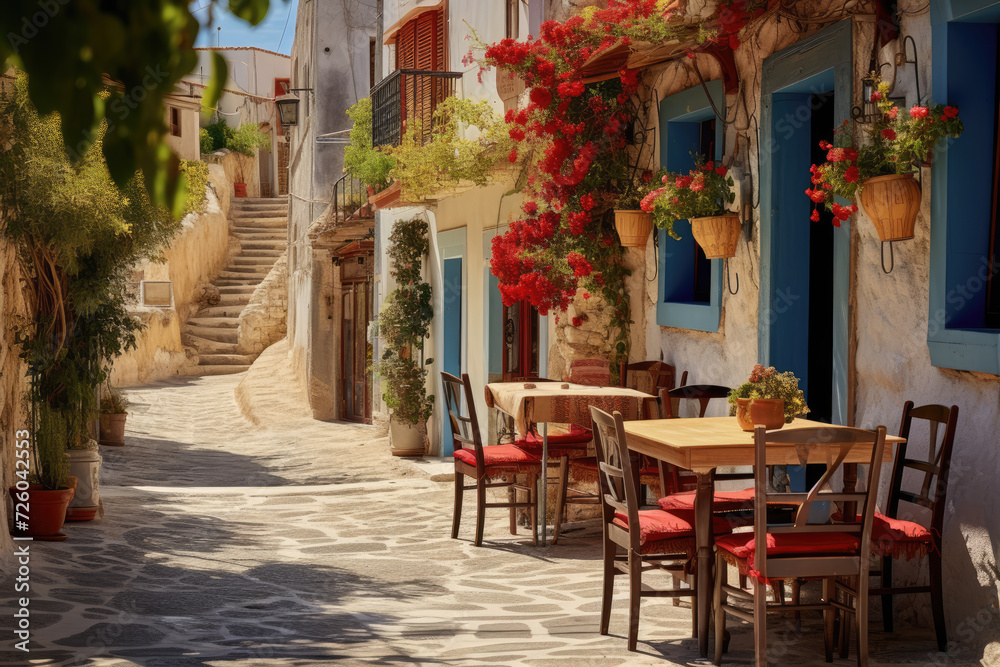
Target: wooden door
356,352
520,341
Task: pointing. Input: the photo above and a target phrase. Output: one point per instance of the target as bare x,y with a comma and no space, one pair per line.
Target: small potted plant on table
702,196
769,398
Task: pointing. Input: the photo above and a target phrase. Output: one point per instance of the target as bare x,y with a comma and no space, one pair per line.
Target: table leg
850,510
703,539
543,482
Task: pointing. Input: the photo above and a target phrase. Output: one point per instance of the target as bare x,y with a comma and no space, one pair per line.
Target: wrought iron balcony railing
407,97
350,200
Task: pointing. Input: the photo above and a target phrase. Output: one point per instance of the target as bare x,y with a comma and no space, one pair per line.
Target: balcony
407,96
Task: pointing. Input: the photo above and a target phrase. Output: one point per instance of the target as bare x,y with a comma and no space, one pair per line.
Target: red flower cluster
581,267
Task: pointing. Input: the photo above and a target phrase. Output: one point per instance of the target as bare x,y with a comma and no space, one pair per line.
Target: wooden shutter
420,45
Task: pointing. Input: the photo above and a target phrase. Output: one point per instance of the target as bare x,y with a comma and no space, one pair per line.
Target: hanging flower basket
718,235
634,227
892,202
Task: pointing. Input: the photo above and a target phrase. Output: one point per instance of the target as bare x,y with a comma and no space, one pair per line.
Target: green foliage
196,172
366,164
244,143
207,142
49,461
449,159
404,323
705,190
77,235
114,402
68,48
220,134
769,383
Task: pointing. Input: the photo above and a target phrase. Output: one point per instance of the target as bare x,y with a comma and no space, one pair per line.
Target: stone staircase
261,225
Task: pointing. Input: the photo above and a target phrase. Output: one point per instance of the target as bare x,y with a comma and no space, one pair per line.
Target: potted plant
701,196
404,323
769,398
85,467
114,410
244,143
632,223
880,172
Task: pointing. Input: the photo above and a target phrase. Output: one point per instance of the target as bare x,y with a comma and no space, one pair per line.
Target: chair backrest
934,485
838,440
661,374
703,393
464,429
615,471
593,372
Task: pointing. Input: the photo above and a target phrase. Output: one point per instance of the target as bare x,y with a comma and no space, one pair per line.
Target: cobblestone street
298,542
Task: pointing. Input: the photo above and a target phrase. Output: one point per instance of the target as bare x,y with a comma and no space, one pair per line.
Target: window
520,341
175,122
513,18
420,45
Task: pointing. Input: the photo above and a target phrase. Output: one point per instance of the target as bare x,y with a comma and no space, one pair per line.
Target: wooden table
702,445
553,402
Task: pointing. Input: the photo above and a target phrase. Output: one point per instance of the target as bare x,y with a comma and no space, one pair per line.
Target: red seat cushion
498,456
725,501
576,435
657,525
741,546
898,537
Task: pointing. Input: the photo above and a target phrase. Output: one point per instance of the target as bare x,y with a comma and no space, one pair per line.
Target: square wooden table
702,445
547,402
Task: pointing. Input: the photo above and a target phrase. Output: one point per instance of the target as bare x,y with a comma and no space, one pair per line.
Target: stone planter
46,511
85,466
718,235
406,439
112,429
767,411
892,202
633,227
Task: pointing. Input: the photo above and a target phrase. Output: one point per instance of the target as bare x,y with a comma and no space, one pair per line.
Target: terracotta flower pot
718,235
112,429
240,189
767,411
633,227
46,511
892,202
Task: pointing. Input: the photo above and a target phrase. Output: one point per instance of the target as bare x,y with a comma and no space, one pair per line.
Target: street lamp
288,109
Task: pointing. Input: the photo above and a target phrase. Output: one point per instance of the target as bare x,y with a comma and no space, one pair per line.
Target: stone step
253,261
206,346
263,245
272,253
236,290
199,370
214,322
233,299
253,218
213,333
225,359
232,282
263,234
256,268
248,278
224,310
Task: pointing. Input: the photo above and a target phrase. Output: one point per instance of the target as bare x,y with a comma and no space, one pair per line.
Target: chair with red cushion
775,552
650,538
894,536
485,464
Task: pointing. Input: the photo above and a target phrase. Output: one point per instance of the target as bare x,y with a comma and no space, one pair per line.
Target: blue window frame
681,117
964,49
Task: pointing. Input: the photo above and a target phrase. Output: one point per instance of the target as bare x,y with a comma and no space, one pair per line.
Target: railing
405,97
350,199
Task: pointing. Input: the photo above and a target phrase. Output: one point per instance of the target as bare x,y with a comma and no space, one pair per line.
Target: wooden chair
650,538
485,464
661,375
893,536
802,550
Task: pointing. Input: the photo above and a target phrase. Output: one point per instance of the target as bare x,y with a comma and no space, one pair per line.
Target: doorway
355,316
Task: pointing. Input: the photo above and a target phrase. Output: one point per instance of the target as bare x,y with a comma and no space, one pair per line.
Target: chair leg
778,589
608,583
634,597
861,614
677,587
456,518
887,597
720,614
937,601
845,628
480,509
796,598
512,498
829,591
760,623
561,496
533,499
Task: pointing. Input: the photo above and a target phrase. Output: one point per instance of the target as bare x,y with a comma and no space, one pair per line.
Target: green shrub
244,143
196,173
220,133
207,142
361,161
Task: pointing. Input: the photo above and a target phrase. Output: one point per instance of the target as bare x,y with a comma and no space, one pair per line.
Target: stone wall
264,321
196,255
13,386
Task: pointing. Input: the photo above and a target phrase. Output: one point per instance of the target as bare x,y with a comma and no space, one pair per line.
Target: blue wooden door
451,361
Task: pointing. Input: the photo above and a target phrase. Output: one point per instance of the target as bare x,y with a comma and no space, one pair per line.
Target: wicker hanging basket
718,235
633,227
892,202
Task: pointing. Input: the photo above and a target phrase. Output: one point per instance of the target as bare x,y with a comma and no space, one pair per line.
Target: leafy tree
68,48
77,236
244,143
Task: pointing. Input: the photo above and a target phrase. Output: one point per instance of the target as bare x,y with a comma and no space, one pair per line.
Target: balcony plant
244,143
702,196
361,159
404,323
879,172
769,398
77,236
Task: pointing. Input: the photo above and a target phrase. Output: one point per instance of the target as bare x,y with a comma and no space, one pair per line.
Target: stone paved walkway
299,542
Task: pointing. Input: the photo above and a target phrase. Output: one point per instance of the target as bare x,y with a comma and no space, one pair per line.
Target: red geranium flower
889,133
586,202
851,175
815,216
918,112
